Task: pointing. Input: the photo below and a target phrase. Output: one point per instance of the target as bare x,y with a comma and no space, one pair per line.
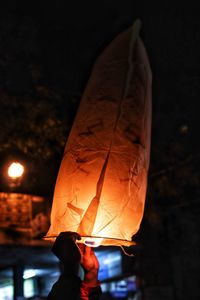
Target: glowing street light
15,170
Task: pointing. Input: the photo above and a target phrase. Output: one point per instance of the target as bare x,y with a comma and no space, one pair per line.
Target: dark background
47,50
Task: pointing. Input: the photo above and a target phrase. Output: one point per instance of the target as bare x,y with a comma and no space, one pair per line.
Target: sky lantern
101,185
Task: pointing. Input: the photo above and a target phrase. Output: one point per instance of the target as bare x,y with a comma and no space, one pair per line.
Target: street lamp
15,172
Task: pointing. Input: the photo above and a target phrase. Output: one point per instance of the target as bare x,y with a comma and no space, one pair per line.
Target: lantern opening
97,241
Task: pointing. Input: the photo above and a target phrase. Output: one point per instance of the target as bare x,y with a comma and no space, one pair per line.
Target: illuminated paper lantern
101,186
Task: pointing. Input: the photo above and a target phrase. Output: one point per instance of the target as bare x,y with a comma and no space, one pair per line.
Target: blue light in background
110,264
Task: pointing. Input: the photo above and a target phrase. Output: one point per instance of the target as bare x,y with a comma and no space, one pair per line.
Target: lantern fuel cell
101,186
92,241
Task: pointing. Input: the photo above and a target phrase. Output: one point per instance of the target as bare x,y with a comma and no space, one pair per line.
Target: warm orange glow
101,186
15,170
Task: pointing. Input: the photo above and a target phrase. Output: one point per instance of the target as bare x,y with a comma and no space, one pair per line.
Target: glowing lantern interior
101,186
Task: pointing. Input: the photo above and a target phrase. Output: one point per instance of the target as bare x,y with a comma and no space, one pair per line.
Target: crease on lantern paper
87,223
81,156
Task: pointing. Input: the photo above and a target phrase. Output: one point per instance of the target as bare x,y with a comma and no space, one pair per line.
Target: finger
88,250
76,236
81,247
71,235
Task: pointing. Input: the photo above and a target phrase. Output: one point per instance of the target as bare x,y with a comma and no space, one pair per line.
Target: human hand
90,265
66,249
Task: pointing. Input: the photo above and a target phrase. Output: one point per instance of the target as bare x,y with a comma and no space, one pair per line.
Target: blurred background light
15,170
